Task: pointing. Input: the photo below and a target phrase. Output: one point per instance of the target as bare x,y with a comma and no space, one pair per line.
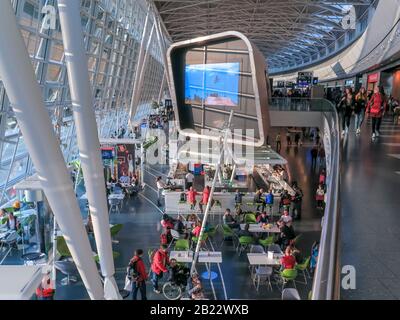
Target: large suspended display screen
212,84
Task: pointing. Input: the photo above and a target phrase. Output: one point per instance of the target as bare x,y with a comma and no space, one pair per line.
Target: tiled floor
370,207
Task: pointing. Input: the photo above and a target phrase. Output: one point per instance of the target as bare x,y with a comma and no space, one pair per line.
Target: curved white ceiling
379,43
288,32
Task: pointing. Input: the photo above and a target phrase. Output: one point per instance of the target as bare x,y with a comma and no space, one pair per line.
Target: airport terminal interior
199,150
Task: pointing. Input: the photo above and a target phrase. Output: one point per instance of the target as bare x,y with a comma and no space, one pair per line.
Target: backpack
132,272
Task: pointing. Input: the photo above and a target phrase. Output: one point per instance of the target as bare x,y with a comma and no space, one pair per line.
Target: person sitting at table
179,226
197,229
12,222
287,234
229,220
191,197
196,293
287,218
296,253
262,218
288,261
245,232
258,198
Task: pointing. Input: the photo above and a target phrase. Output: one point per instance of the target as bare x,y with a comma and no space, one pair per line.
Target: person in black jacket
287,234
178,274
347,104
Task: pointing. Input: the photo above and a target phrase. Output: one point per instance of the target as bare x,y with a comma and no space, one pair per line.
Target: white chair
290,294
256,248
114,205
274,248
262,273
175,236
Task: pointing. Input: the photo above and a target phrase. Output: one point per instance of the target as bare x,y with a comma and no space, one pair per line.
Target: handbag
128,284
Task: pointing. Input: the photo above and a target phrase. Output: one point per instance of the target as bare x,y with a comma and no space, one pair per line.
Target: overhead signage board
304,78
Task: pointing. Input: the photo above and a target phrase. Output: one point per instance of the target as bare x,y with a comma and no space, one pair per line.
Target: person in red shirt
204,200
376,108
159,266
139,270
191,197
196,231
288,261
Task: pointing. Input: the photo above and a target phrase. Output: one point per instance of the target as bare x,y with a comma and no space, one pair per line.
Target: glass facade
113,32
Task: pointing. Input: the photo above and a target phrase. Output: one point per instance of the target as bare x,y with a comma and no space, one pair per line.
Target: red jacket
191,196
160,262
140,268
376,105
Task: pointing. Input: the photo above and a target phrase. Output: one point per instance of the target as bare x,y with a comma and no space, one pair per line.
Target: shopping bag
128,284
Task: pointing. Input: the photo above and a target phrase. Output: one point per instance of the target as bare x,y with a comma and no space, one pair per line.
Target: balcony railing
326,285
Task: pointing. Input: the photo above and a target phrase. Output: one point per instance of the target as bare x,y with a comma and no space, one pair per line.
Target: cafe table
257,228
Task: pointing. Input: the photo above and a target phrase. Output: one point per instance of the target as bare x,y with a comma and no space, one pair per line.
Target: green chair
288,275
227,234
203,239
303,267
250,218
181,245
244,242
3,220
115,229
62,247
212,232
267,241
115,256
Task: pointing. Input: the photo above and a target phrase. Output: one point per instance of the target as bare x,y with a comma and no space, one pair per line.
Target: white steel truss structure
290,33
113,31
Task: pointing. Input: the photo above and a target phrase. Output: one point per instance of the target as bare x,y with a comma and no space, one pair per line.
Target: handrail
326,284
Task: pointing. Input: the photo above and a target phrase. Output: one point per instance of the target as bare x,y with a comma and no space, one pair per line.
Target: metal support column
25,95
87,138
223,140
140,80
139,66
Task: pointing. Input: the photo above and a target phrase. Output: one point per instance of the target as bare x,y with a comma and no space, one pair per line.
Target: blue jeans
359,120
155,278
135,288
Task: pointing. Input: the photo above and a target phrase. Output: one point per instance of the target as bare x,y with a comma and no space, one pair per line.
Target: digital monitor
214,84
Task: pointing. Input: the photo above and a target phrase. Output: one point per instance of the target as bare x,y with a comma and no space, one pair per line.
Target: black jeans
346,121
135,287
376,124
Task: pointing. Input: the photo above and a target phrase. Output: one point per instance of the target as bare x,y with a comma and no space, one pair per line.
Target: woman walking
359,109
347,107
376,109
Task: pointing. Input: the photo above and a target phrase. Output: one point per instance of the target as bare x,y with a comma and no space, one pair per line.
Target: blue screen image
212,84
